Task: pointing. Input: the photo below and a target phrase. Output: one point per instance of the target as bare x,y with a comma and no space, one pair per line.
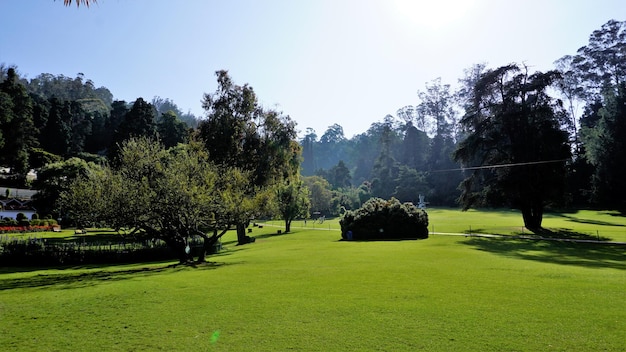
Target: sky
350,62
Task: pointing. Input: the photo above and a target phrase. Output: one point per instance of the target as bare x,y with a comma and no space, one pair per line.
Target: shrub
379,219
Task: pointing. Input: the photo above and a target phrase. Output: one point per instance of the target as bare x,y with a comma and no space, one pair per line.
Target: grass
309,291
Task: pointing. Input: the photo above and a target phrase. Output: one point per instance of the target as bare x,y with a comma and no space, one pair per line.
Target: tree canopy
515,146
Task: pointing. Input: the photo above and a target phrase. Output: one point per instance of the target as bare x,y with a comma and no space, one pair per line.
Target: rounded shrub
380,219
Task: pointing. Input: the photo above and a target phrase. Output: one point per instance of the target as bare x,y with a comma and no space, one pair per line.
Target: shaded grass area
554,252
308,291
582,224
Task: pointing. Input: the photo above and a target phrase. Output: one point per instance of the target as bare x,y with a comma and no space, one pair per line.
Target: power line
502,165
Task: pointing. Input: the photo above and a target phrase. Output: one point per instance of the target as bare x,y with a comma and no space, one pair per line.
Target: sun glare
430,14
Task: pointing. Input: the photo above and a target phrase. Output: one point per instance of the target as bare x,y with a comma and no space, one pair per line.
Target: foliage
514,122
55,178
606,150
17,128
239,134
170,195
293,201
601,64
171,130
138,122
320,195
379,219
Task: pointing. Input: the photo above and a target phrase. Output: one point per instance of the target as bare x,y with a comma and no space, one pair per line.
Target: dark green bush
379,219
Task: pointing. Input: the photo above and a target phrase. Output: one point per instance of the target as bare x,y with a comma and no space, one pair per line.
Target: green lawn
309,291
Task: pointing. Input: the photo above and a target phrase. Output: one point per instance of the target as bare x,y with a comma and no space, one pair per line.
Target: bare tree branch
79,2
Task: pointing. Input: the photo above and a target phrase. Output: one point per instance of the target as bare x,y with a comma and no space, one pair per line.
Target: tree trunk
207,246
287,225
533,216
180,247
242,238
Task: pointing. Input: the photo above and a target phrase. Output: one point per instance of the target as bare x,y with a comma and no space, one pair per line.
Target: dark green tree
139,121
239,133
601,64
415,148
55,178
515,124
339,176
605,147
410,184
16,126
57,134
320,195
172,130
308,152
292,199
386,169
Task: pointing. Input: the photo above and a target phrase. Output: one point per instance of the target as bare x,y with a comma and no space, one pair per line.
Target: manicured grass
587,224
309,291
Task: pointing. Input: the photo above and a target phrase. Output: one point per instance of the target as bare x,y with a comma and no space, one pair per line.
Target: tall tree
386,169
56,135
320,195
601,64
605,147
239,133
55,178
514,144
139,121
16,125
79,2
308,152
339,176
292,199
171,129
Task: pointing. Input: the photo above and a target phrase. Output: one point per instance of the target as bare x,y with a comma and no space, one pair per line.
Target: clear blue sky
321,61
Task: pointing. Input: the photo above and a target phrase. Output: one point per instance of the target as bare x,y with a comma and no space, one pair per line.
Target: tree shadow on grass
274,234
97,274
563,233
590,221
544,233
590,255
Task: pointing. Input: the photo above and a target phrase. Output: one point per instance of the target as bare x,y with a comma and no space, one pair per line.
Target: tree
139,121
239,133
409,185
605,148
386,168
339,176
415,147
436,109
55,178
601,64
78,2
170,195
320,195
308,153
17,128
514,147
57,133
292,200
331,148
171,129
